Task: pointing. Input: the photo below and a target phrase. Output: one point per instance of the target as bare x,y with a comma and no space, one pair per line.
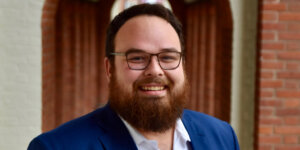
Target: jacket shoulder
204,122
217,133
74,134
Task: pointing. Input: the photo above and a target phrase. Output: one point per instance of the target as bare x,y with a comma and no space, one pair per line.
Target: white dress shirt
180,142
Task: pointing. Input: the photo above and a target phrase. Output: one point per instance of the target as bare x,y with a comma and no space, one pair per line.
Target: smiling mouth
152,88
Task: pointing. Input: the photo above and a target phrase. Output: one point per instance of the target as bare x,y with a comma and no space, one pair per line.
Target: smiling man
147,93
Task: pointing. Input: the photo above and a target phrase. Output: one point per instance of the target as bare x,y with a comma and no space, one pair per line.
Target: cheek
124,74
177,76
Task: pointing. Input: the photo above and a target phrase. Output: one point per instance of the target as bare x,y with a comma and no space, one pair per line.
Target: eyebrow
162,50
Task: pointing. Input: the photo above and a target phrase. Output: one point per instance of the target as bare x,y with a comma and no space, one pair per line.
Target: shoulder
216,132
205,122
70,135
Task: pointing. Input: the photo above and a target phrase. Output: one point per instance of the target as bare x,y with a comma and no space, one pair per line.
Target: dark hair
137,10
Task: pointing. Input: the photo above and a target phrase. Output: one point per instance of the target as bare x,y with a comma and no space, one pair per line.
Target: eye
137,58
168,57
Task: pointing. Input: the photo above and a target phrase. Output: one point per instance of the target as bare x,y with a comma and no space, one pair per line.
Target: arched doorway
73,33
73,52
208,27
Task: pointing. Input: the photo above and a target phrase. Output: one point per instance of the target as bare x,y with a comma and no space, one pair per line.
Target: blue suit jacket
103,130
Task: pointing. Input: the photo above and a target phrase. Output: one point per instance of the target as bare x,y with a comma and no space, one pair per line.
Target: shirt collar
181,131
136,135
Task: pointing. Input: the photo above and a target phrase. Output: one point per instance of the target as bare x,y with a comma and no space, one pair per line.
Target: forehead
147,33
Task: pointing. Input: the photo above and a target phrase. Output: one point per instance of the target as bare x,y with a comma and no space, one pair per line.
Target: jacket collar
114,133
196,132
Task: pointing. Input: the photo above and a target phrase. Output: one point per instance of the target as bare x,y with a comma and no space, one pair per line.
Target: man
147,92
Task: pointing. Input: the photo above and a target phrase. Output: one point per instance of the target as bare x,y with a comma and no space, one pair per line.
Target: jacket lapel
198,139
114,134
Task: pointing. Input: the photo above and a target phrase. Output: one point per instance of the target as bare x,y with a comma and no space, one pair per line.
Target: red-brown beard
148,113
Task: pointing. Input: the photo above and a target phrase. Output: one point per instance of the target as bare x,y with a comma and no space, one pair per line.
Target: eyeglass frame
151,54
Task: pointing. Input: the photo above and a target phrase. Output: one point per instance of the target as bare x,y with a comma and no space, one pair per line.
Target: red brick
271,65
265,112
288,112
289,16
273,26
293,103
273,46
289,55
268,56
264,94
292,120
291,84
287,130
289,75
266,74
270,102
294,26
270,84
267,35
289,36
292,139
269,16
270,121
272,6
293,66
288,93
293,45
295,7
269,139
265,130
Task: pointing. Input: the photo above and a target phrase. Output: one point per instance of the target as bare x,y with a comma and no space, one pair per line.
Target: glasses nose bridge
157,59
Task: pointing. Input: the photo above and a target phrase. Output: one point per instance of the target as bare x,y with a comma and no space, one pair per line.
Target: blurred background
243,64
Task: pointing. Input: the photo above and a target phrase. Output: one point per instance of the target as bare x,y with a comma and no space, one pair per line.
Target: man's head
147,82
143,9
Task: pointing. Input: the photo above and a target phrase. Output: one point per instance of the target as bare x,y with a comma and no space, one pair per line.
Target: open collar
181,135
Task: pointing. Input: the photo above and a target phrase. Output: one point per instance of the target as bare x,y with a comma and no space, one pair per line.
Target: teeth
152,88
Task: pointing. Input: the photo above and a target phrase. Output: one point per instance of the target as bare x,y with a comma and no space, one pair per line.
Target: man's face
152,89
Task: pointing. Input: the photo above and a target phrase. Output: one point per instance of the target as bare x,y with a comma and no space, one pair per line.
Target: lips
152,86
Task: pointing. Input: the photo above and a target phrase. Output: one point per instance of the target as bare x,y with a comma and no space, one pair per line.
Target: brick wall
279,81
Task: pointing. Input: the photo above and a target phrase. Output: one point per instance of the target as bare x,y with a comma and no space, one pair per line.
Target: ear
108,68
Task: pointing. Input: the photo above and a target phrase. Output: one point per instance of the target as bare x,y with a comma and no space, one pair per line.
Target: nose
153,69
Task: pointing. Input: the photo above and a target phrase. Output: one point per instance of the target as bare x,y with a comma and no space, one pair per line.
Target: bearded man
147,92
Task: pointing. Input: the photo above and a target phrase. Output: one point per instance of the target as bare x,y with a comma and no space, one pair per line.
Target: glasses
140,60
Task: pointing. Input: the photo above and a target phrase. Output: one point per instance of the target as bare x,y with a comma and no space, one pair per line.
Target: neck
164,139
